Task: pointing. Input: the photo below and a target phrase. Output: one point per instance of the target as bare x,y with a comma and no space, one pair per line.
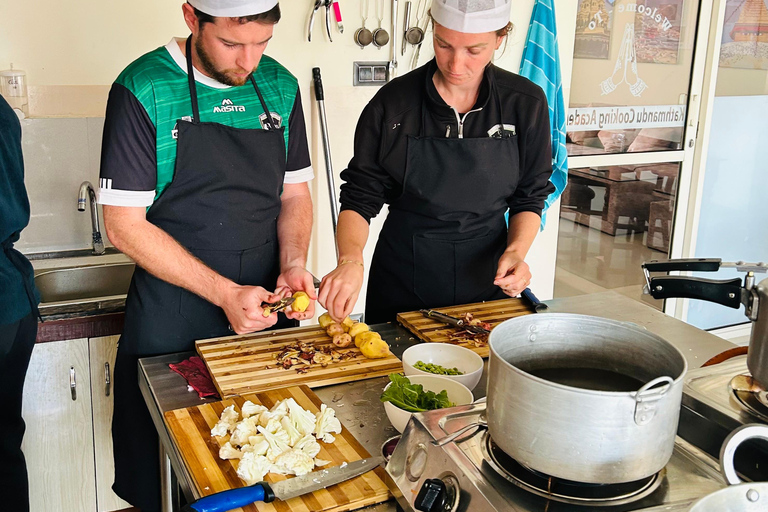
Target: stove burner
567,491
750,396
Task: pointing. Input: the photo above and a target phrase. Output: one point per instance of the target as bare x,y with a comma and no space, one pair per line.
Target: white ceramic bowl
458,393
447,356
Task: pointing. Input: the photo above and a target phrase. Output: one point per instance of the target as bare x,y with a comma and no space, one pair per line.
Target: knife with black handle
284,490
452,320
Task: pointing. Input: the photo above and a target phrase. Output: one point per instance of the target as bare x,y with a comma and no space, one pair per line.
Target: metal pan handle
647,397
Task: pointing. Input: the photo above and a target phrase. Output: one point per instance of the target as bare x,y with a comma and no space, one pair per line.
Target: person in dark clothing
449,147
18,313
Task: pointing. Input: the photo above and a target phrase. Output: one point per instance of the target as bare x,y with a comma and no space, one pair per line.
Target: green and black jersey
138,153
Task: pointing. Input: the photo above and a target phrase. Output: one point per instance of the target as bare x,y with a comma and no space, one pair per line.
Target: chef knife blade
284,490
452,320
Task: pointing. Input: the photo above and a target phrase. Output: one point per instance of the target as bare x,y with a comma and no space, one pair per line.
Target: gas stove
712,409
473,474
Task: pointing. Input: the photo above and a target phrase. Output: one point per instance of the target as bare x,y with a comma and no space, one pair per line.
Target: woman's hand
512,274
340,289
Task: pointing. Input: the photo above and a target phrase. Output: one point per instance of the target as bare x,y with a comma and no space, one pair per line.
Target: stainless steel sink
84,284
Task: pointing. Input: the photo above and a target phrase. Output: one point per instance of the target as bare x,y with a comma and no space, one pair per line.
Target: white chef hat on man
472,16
232,8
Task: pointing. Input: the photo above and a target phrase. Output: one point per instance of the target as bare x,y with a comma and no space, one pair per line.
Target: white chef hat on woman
472,16
232,8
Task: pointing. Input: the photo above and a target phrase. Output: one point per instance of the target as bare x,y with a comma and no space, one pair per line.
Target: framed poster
657,30
745,35
593,29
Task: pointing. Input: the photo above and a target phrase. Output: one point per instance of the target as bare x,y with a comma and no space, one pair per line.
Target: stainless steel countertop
357,404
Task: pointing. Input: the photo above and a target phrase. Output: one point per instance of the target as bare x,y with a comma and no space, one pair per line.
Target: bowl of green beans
451,361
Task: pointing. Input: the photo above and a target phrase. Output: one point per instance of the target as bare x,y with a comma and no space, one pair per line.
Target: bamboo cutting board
247,364
190,429
493,312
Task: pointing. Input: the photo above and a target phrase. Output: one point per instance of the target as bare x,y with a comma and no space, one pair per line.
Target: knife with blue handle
537,305
285,490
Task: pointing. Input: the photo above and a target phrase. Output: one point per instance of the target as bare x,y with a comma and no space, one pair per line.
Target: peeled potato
301,302
347,323
333,329
365,336
375,348
325,320
342,340
358,328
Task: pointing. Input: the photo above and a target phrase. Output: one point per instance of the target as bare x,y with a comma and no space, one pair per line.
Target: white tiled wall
59,154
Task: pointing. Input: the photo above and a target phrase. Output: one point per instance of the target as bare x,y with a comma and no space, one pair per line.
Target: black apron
444,235
222,206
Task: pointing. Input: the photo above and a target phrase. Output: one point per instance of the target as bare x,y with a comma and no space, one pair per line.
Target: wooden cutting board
190,429
247,364
493,312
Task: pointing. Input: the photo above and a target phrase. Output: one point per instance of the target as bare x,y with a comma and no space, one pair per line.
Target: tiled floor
590,261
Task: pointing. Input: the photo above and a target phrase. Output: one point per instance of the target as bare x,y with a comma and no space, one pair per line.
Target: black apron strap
264,105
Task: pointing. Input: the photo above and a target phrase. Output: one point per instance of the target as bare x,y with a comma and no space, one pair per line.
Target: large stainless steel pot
739,497
569,431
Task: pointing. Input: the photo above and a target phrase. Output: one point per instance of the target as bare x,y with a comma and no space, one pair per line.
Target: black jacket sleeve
367,185
535,162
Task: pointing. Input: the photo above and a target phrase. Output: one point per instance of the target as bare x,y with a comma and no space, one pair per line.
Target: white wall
72,52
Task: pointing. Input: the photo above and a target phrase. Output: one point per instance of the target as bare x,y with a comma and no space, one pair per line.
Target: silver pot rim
584,391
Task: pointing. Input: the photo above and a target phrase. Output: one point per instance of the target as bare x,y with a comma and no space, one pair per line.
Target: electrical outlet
370,73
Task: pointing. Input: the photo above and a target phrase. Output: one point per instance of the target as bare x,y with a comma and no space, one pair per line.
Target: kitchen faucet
86,194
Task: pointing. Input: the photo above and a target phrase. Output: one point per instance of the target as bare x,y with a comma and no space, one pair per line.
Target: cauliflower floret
252,468
327,424
293,435
293,462
251,409
273,425
309,445
320,462
243,431
226,423
256,444
302,419
227,451
267,416
278,442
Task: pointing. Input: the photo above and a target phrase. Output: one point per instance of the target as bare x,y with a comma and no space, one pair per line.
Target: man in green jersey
204,178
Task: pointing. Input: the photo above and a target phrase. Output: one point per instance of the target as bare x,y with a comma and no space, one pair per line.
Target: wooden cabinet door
103,352
58,444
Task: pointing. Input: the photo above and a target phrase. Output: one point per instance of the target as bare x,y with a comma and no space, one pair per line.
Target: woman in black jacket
449,147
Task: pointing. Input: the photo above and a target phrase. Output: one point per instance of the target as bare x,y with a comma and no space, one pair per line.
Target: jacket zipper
461,120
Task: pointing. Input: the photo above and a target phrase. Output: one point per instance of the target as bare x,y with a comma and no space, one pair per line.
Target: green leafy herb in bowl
412,397
436,369
404,396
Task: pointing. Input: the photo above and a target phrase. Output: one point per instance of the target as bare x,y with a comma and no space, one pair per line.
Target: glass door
731,206
635,86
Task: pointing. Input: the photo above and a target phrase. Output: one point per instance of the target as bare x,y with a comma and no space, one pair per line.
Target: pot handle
647,396
732,443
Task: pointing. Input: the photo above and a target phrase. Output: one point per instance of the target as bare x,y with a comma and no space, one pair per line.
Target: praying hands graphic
625,69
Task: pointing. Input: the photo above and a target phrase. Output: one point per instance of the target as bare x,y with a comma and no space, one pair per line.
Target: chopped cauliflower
227,422
252,468
327,424
302,419
227,451
243,431
278,443
250,409
256,444
282,440
309,445
293,462
293,434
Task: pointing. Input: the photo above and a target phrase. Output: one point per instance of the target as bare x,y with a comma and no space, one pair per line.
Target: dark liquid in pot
589,378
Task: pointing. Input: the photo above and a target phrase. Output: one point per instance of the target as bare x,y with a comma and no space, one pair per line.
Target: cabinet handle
107,379
72,382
